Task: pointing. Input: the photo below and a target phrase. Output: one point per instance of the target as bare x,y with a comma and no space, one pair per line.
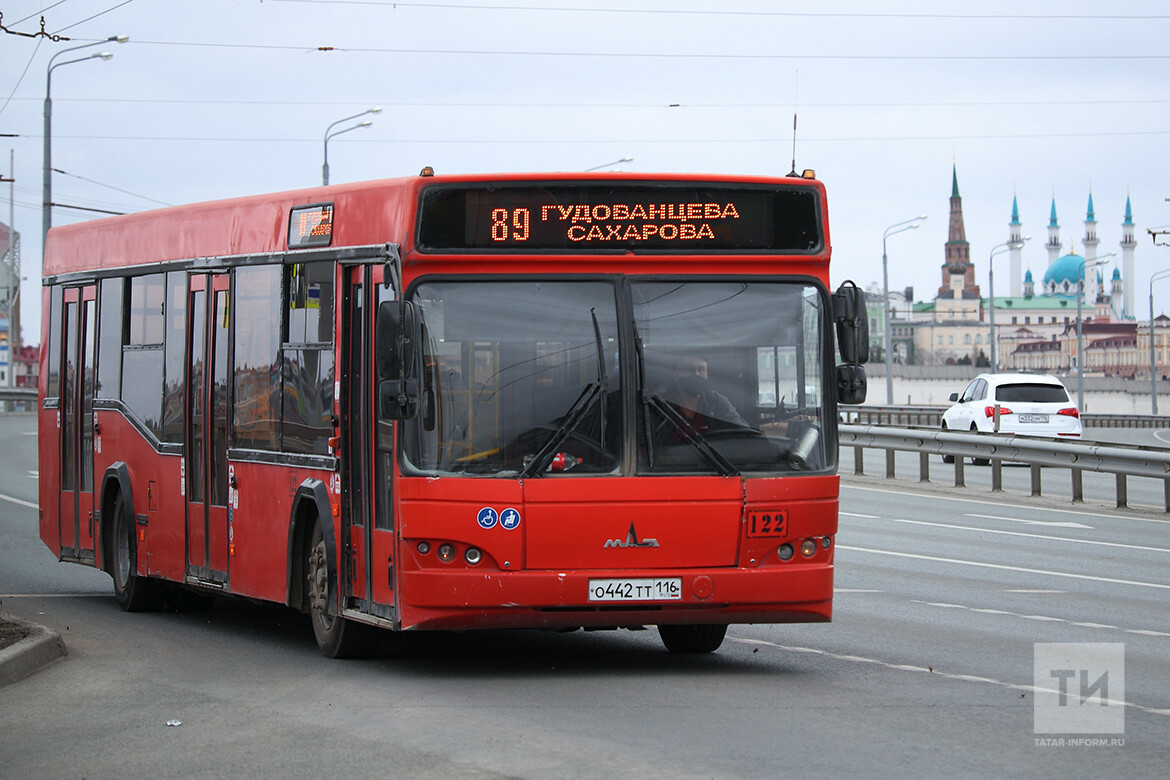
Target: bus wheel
134,593
693,639
336,636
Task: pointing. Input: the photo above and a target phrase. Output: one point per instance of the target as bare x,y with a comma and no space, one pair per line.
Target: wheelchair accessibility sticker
509,519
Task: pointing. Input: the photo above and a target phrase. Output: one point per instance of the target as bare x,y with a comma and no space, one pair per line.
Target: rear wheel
133,592
693,639
336,636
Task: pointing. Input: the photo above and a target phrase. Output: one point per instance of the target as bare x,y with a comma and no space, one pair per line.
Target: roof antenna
795,107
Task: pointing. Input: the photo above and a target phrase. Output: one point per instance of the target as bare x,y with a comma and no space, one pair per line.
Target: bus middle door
76,430
207,420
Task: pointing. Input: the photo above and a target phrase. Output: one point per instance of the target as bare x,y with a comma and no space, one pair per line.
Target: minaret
958,251
1053,244
1029,285
1127,247
1090,242
1017,243
1116,291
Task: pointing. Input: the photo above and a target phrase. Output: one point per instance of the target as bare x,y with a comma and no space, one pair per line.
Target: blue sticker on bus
487,517
509,519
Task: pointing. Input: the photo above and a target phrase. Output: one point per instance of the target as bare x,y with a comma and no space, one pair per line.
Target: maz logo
631,540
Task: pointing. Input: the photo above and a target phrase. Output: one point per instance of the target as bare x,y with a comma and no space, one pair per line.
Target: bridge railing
1077,457
931,417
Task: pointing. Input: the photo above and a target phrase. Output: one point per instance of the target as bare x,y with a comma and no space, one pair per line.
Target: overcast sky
220,98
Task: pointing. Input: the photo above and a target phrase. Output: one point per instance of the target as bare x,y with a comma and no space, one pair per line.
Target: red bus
456,402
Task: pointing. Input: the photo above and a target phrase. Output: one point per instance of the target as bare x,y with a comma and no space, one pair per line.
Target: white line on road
1042,618
1056,523
931,671
1096,515
1033,590
1005,567
1094,542
856,590
29,504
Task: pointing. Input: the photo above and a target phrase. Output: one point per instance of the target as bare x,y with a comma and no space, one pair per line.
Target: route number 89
510,224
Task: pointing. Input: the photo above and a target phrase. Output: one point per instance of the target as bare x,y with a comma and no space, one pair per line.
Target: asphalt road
927,669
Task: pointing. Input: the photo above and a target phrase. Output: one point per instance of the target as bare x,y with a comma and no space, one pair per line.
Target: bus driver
690,392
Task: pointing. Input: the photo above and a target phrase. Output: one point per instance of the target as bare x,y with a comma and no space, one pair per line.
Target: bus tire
693,639
336,636
133,592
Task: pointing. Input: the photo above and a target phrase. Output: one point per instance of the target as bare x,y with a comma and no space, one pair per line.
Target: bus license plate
662,589
1033,418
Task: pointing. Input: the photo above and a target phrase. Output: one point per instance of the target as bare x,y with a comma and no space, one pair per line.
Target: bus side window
53,381
110,322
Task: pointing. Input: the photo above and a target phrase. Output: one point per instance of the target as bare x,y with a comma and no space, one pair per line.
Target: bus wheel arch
134,592
115,484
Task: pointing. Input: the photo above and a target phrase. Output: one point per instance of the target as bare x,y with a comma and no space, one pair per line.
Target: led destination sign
609,216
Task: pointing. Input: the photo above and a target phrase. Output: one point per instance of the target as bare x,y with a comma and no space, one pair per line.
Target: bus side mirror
852,341
851,385
398,356
852,323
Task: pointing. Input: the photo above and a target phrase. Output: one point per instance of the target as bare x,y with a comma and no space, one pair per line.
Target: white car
1015,405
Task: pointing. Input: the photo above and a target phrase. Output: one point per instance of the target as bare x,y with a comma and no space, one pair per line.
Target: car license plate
1033,418
660,589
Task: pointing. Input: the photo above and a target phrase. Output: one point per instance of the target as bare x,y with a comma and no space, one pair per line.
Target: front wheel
133,592
336,636
693,639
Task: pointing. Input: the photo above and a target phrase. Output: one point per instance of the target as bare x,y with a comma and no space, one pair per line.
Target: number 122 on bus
457,403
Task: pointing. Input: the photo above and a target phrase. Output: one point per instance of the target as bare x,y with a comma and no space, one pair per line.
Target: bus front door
367,525
208,542
76,428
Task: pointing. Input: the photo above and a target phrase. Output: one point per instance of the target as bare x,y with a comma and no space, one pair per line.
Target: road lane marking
932,672
1042,618
1096,515
863,517
1055,523
976,529
1033,590
1005,567
857,590
92,595
18,501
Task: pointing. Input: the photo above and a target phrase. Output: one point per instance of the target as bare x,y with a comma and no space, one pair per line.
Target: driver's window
969,393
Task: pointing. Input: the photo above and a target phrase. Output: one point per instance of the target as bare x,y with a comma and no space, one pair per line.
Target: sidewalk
26,647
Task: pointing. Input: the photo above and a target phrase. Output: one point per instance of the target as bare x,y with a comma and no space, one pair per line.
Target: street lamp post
1164,273
328,135
608,164
899,227
1096,261
47,180
998,249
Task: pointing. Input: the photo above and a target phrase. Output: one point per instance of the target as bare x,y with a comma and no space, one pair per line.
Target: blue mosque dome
1117,274
1028,276
1064,273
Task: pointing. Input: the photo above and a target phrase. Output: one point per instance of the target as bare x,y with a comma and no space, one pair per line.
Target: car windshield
1031,392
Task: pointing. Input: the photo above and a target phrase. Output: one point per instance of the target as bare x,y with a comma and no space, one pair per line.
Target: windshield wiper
541,460
678,422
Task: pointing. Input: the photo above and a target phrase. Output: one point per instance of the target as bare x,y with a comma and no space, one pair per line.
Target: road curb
41,646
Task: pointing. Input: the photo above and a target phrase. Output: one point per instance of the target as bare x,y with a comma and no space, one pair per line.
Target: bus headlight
446,553
472,556
808,548
785,552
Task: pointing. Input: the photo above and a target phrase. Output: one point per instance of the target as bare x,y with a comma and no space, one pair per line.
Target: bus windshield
524,378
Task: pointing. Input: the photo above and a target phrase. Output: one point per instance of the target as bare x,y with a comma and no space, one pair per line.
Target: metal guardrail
18,394
1037,453
931,417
